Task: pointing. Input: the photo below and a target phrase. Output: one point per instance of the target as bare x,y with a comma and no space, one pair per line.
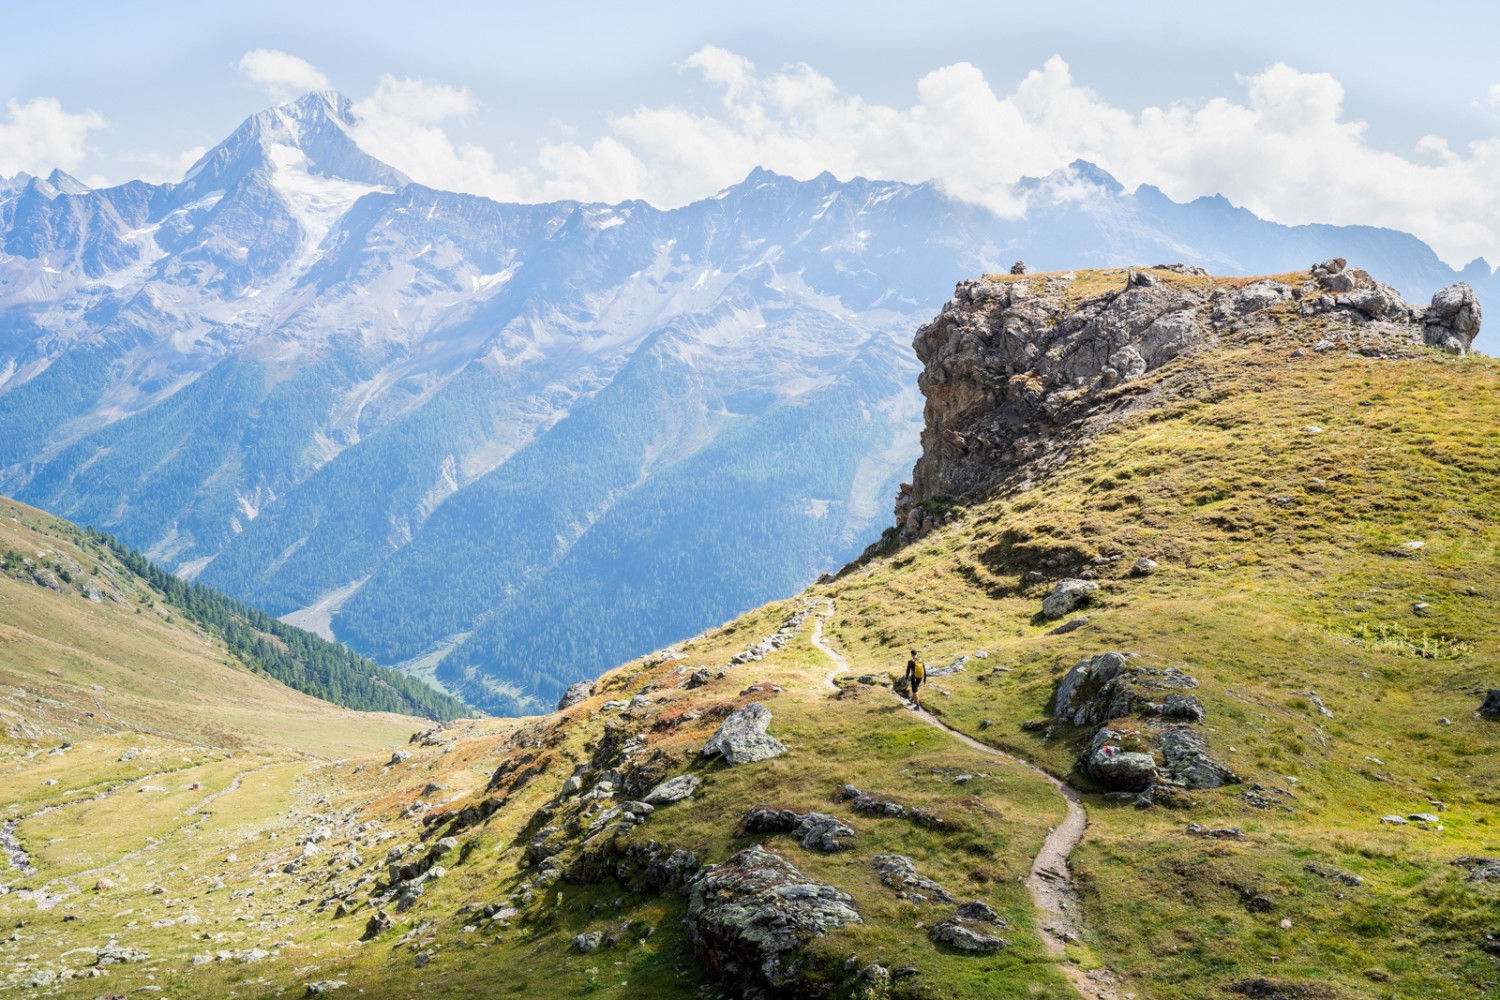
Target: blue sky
1302,112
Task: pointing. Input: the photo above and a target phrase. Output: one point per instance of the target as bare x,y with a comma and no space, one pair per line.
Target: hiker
916,673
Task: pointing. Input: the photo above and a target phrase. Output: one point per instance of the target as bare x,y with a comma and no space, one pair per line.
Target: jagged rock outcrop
749,918
1013,363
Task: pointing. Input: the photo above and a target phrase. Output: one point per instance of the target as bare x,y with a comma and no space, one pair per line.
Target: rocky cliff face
1017,368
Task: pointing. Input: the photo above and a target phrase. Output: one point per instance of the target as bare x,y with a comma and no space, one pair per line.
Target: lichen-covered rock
581,691
742,737
1067,595
749,918
815,831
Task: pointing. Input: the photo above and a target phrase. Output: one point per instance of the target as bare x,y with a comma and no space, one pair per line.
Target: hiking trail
1050,882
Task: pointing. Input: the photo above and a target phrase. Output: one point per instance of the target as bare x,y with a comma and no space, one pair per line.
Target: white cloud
159,167
1282,147
40,135
282,74
1495,94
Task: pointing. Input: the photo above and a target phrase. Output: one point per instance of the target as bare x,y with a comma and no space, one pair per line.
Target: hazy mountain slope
278,375
54,572
90,649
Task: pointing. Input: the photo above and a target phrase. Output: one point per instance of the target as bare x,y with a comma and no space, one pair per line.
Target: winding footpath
1051,881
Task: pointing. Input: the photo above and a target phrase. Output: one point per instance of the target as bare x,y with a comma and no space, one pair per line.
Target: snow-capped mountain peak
318,125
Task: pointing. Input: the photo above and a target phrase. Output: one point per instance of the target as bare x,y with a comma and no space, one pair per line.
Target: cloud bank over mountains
1283,146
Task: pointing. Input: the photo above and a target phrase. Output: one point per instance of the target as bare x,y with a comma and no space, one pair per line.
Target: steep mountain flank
76,596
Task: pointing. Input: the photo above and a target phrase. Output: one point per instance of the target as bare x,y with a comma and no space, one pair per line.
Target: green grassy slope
1278,494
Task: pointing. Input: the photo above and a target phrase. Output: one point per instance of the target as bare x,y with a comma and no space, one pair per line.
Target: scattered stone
1071,625
399,757
1491,707
742,737
1143,567
1019,267
422,959
1394,820
900,873
815,831
750,916
115,953
1333,874
1067,595
672,790
958,934
322,986
576,693
105,884
1318,704
1215,833
952,668
1479,869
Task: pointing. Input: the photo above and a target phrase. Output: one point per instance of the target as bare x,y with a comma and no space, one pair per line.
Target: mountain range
506,446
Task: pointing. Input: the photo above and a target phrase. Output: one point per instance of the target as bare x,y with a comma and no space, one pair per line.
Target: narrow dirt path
1051,881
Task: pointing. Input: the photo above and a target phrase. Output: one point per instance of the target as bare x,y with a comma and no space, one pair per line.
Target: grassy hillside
1279,490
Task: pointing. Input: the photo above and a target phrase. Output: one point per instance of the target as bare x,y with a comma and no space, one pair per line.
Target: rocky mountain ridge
1018,368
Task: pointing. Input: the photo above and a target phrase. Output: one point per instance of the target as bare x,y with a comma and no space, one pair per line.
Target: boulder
815,831
1112,760
1491,707
672,790
749,918
1143,567
1452,321
742,738
576,693
1067,595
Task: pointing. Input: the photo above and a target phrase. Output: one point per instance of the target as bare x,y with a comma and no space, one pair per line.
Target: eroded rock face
749,918
1011,365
